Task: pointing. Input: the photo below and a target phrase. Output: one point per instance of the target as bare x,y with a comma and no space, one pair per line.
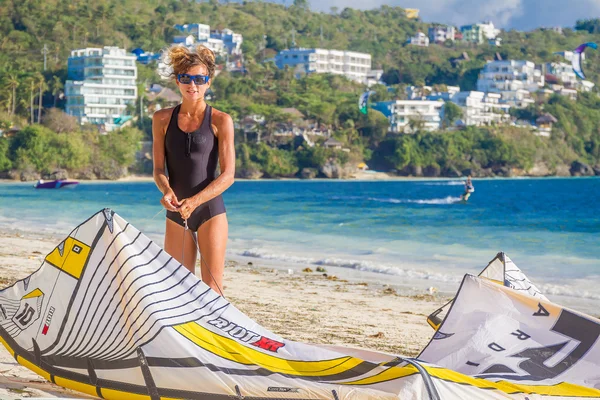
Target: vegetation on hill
28,92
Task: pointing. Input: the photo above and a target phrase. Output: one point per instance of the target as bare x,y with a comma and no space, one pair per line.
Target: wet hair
181,59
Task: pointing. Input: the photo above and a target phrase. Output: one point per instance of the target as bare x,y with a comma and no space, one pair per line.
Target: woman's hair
181,59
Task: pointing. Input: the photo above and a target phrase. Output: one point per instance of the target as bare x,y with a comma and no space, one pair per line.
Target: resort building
200,32
481,108
561,73
353,65
420,39
406,114
101,83
223,42
479,33
440,34
514,80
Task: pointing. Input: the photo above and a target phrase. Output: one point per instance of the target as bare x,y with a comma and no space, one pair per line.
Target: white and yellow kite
110,314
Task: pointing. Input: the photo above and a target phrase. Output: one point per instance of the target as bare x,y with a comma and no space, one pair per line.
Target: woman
190,140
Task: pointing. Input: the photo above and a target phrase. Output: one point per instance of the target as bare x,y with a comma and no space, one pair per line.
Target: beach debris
307,270
362,284
332,277
389,290
250,263
290,271
378,335
321,269
432,290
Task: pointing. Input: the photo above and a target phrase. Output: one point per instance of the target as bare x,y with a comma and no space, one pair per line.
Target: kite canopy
578,58
363,101
110,314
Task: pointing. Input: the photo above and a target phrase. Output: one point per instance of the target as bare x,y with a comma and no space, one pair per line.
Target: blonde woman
189,141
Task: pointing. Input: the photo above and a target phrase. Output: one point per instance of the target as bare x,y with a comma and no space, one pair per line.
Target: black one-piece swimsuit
192,159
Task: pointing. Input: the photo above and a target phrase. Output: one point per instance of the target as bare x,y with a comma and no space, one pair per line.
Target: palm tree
30,82
56,86
12,81
42,85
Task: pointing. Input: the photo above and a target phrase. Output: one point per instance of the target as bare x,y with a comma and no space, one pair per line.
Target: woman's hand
187,207
170,202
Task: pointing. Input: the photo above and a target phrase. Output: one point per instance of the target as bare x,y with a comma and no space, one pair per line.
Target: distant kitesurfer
189,142
469,188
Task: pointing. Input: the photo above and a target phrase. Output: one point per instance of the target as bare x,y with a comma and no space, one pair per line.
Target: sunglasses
187,79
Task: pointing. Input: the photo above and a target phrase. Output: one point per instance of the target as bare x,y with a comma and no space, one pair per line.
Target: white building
563,72
101,83
439,34
216,45
479,33
221,42
232,41
514,80
481,108
432,94
420,39
353,65
374,77
200,32
400,113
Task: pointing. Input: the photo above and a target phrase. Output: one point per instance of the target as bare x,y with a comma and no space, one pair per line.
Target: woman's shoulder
219,116
162,115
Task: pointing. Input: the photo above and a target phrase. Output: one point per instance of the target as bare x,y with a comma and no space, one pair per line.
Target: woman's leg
183,250
212,242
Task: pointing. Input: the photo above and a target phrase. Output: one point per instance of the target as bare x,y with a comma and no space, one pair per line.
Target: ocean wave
566,290
549,289
360,265
445,183
445,200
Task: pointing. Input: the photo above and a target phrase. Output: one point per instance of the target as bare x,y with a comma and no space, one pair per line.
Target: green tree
5,161
452,113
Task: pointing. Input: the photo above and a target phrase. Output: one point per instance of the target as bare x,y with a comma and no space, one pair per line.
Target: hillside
26,26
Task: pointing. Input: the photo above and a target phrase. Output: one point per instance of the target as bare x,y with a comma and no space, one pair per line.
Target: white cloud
519,14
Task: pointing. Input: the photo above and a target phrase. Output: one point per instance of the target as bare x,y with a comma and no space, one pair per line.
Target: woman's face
191,91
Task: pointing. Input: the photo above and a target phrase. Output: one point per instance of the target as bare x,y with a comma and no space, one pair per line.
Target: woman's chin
192,96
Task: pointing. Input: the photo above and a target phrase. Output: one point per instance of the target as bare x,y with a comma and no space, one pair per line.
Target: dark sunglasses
187,79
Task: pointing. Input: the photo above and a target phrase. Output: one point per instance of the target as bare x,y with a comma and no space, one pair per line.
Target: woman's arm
160,121
225,134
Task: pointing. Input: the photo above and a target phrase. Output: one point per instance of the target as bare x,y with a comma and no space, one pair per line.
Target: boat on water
55,184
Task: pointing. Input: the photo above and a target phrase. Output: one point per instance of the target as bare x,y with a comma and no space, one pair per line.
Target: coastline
364,177
310,307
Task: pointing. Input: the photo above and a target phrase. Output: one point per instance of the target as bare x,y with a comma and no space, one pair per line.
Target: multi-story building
420,39
479,33
216,45
200,32
221,42
439,34
514,80
374,77
355,66
232,41
481,108
564,75
404,113
101,83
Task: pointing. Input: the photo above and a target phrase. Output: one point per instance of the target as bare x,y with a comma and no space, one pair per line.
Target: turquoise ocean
411,234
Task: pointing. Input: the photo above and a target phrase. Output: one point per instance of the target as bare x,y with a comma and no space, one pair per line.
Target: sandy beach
312,307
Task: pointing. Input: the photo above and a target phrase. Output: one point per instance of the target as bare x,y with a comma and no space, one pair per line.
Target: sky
507,14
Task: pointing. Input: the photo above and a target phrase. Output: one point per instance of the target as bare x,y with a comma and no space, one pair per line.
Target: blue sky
507,14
